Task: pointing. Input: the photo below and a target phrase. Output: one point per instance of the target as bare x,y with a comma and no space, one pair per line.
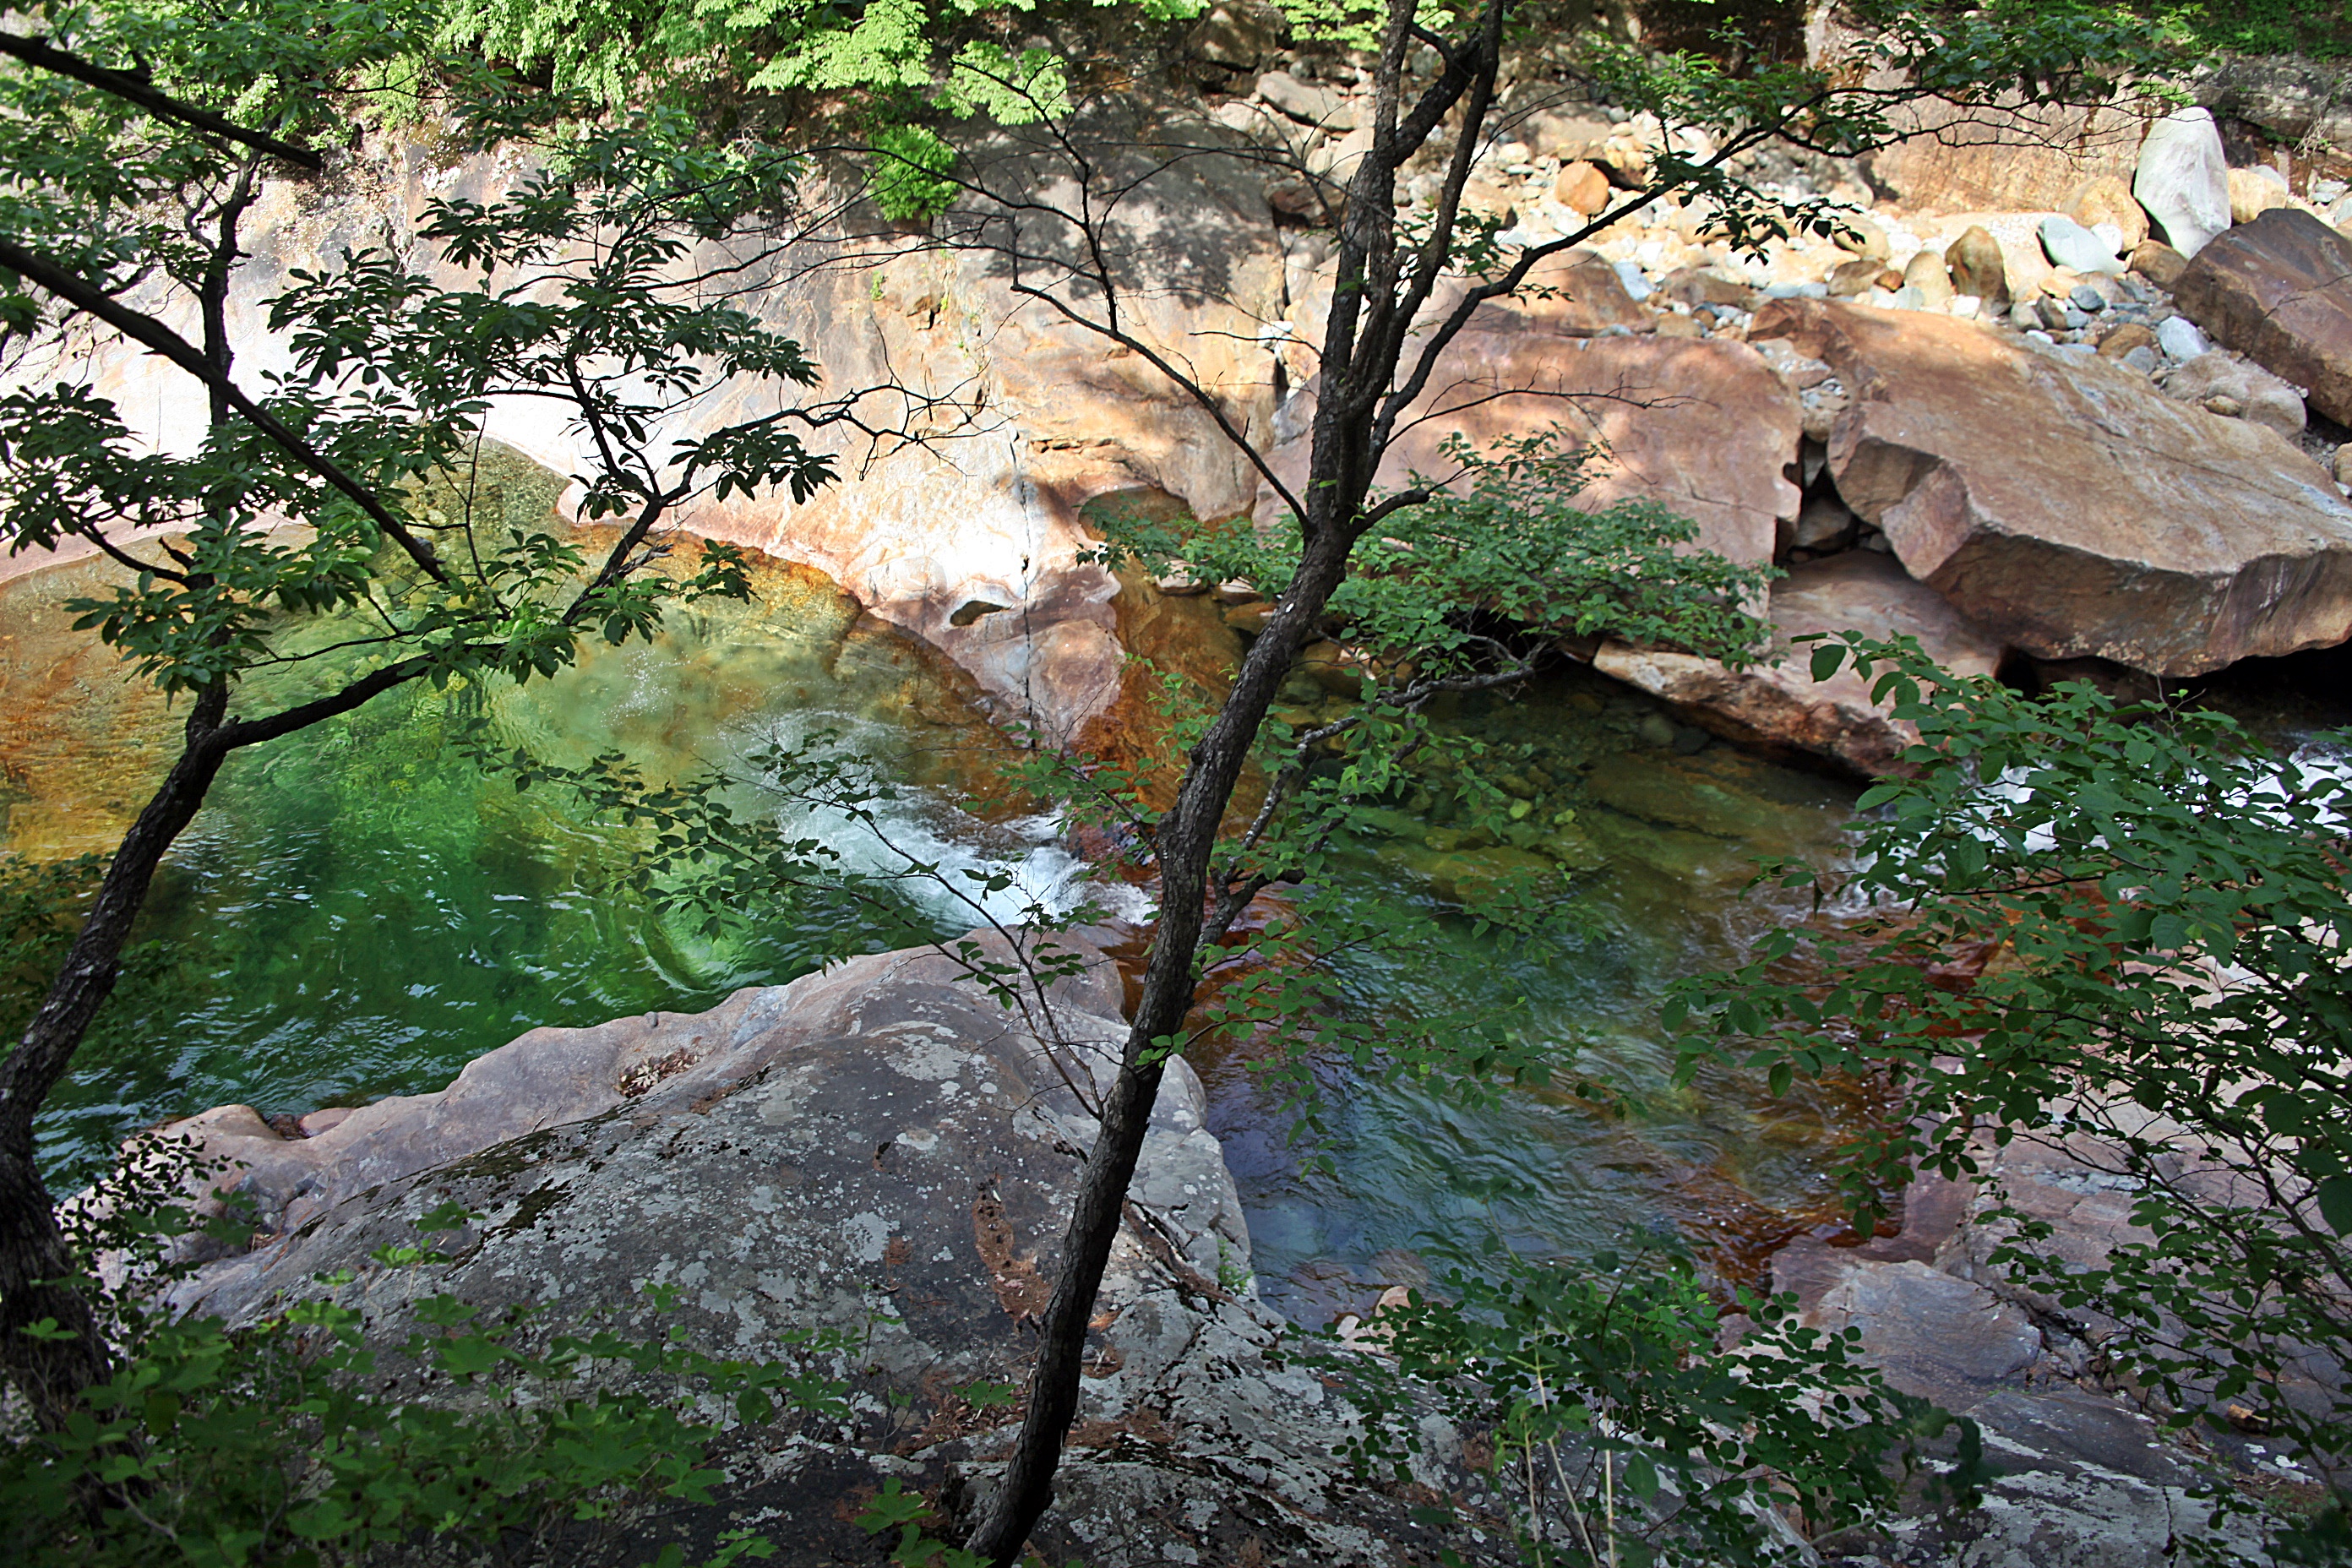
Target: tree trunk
1186,839
35,1264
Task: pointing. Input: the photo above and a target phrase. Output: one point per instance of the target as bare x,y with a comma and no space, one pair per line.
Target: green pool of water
358,912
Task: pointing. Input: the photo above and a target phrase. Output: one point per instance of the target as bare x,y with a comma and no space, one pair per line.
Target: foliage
909,172
38,902
1506,545
2161,907
887,52
290,1439
1609,1427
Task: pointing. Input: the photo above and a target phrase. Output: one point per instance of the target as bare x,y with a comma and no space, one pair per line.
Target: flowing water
358,912
1664,830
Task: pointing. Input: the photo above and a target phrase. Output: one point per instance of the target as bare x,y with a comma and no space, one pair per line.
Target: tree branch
136,89
144,329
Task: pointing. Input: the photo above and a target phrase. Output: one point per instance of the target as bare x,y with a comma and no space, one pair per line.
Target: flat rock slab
2066,506
878,1150
2279,290
1778,703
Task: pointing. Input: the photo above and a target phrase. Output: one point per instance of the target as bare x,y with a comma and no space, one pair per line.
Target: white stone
2183,179
2069,244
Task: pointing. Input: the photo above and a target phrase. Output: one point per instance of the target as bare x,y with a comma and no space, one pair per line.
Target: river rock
1926,273
2183,179
2279,290
2068,244
2255,191
2228,384
2046,544
879,1150
1703,428
1779,703
2106,199
2158,262
2178,338
1310,103
1861,235
1580,187
1977,266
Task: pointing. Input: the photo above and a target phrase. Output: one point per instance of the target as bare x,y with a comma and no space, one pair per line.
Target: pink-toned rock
2066,506
1580,187
1705,428
1779,703
2279,290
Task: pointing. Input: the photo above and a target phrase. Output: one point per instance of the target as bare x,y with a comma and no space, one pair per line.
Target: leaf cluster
289,1439
1609,1426
2117,930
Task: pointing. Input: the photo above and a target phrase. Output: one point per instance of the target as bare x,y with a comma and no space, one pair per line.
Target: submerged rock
2071,510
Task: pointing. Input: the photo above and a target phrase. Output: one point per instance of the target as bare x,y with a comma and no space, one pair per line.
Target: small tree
2167,907
297,540
1407,285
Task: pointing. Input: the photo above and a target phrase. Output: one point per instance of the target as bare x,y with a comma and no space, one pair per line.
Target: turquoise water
358,912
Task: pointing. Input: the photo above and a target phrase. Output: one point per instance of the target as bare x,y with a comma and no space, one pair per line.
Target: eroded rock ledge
881,1150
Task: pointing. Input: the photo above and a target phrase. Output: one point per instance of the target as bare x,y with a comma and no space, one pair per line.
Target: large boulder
2066,506
2279,290
879,1150
2183,179
1778,703
1702,426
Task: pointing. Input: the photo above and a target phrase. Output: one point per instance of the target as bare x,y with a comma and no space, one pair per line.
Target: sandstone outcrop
2067,508
1778,703
1003,420
2279,290
880,1149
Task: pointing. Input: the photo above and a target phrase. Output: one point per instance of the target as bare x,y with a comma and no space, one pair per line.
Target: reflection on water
358,912
1661,829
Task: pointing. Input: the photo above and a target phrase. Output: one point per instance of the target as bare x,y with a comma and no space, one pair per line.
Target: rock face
1028,417
1779,703
881,1150
2068,509
2183,179
2016,156
2279,290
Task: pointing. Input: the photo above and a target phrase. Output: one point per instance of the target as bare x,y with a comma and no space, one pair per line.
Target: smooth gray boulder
2068,244
2183,179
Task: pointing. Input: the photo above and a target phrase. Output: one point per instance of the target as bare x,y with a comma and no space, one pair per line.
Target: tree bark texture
35,1263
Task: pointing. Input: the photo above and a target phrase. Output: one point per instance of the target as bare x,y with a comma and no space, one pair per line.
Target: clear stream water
358,913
